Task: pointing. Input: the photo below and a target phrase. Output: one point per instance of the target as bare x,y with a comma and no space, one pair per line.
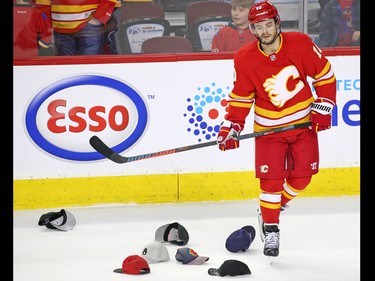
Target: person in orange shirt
237,33
78,25
32,31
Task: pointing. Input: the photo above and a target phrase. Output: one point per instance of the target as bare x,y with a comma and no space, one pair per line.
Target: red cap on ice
134,265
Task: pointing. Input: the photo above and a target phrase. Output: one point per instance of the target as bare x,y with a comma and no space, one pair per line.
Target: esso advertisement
62,116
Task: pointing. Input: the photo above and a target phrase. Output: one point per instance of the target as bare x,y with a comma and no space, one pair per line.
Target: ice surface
319,240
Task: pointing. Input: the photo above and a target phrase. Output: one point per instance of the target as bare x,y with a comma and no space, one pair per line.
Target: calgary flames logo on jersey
277,86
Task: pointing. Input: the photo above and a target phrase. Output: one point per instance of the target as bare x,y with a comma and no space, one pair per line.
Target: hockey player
271,76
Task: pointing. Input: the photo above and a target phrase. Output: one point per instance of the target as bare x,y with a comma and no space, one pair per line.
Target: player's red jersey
231,38
277,84
30,28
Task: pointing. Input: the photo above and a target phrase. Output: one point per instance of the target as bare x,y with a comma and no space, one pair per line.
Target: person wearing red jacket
237,33
271,75
78,25
32,30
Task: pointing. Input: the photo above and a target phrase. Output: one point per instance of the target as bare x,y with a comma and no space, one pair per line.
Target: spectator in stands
237,33
339,24
32,31
137,1
78,25
109,46
322,3
356,8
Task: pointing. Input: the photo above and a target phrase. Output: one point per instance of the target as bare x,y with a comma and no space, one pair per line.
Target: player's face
266,30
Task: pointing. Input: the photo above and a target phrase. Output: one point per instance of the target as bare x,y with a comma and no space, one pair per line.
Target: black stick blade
103,149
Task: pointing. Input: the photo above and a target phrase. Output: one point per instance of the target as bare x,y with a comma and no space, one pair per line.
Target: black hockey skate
261,223
271,241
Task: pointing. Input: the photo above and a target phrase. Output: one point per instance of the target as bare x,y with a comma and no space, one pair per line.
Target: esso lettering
77,119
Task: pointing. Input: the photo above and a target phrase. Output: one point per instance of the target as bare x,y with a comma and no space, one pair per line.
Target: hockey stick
106,151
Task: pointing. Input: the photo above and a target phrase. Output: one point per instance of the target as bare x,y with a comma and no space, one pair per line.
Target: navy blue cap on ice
241,239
